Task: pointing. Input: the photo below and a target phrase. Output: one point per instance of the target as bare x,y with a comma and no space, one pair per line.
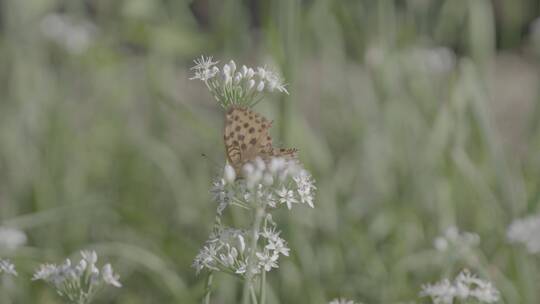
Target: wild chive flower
78,283
231,85
526,231
7,267
226,250
278,181
341,301
75,36
267,260
11,238
453,239
466,286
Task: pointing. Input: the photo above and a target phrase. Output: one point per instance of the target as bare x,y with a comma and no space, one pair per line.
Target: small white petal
229,175
260,86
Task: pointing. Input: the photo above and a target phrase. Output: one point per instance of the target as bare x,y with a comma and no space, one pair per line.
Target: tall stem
253,295
208,288
262,296
248,283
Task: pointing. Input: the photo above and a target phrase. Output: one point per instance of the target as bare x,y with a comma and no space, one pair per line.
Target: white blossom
79,282
232,86
204,63
442,292
74,35
466,286
527,232
221,195
267,182
278,246
260,86
229,175
267,260
452,238
110,277
341,301
11,238
287,197
7,267
225,250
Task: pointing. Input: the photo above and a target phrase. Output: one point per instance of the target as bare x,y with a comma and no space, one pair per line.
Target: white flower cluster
74,36
453,239
466,286
341,301
232,86
527,232
11,238
262,187
78,283
226,250
272,184
7,268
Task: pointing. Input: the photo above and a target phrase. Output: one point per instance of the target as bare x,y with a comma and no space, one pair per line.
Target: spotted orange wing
246,138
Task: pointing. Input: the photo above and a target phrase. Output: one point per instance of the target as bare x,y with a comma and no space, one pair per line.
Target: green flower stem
253,296
248,283
262,295
208,290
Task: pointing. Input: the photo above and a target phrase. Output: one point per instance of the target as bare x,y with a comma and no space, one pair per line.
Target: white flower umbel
466,286
7,267
75,36
232,85
453,239
78,283
277,182
262,187
227,250
11,238
342,301
527,232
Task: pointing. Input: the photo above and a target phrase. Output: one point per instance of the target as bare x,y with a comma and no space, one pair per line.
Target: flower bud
260,87
232,65
229,175
251,84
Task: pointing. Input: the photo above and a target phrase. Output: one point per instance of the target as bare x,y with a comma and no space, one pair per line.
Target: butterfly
246,138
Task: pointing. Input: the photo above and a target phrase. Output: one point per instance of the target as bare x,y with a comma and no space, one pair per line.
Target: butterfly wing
287,153
246,136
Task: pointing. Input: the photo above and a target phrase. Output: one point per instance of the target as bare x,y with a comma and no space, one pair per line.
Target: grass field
413,116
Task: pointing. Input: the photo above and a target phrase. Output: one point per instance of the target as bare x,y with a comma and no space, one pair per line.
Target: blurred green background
412,115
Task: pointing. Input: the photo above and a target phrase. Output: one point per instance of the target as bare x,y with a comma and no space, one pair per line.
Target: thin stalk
262,295
248,283
208,290
253,295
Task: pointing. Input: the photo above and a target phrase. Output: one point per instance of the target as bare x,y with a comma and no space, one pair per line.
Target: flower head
11,238
80,281
341,301
452,238
110,277
75,36
465,286
225,250
527,232
267,260
231,85
7,267
286,197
